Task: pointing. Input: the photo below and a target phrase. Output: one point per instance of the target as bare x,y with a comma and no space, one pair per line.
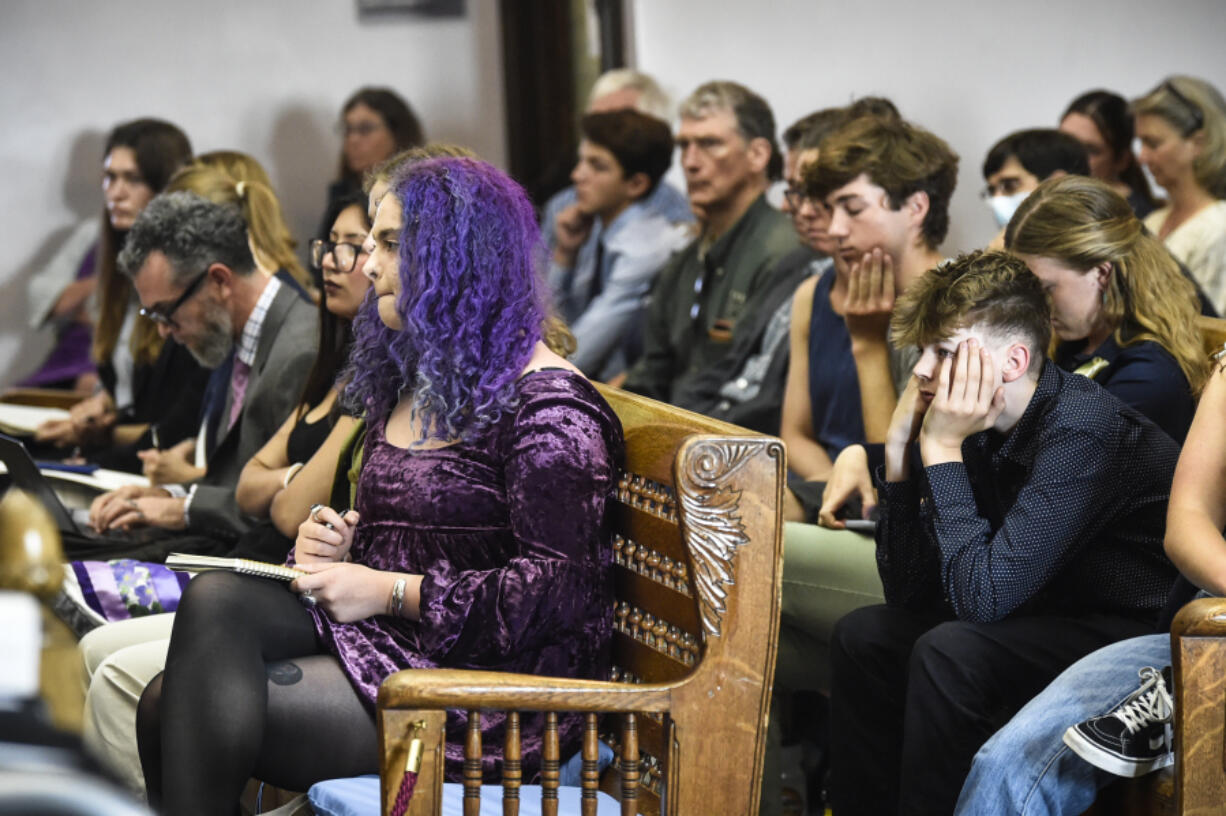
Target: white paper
24,419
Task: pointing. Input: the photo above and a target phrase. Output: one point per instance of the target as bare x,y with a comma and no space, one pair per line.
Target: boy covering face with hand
1022,528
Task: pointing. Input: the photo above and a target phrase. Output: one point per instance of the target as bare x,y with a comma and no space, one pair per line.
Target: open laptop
23,473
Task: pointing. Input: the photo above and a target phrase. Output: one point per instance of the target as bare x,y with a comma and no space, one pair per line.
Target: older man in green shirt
729,156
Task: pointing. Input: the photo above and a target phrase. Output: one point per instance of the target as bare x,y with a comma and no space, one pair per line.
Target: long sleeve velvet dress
509,531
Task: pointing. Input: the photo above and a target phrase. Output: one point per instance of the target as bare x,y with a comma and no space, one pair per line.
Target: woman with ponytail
1122,312
231,177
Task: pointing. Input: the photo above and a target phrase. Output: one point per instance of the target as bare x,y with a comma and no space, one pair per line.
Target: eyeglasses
796,197
359,129
345,255
1198,116
165,317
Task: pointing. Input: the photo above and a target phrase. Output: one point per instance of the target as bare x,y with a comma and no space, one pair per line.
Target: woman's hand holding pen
325,536
171,466
88,421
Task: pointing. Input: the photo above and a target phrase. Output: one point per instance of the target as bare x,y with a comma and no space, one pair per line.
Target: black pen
153,433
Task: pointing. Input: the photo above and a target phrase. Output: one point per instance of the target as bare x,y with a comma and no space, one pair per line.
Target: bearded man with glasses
191,265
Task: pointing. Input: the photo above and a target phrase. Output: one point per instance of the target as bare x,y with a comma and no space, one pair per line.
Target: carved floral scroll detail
710,515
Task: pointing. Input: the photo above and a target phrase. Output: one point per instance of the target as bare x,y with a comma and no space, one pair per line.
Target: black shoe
1134,738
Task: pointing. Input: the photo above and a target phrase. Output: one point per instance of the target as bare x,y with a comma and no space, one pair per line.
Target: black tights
247,691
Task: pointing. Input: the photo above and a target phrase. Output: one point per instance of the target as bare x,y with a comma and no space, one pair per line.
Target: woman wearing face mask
1122,312
1102,122
456,554
137,368
375,124
1182,127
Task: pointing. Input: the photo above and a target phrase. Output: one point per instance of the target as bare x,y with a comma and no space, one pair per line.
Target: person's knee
861,630
96,646
213,599
947,652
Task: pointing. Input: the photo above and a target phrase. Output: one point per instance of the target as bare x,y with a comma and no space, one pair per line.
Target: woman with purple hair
455,554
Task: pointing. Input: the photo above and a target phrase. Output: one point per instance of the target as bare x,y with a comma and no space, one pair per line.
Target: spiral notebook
205,563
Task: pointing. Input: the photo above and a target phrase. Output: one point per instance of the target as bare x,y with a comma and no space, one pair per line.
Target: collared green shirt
700,296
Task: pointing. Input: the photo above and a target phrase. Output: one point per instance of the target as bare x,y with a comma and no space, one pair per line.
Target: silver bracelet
396,606
291,473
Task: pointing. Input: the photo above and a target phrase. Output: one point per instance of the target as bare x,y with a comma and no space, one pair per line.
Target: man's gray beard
214,344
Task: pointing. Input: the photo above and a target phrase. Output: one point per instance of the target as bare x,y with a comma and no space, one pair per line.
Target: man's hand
849,477
132,506
325,536
870,297
967,401
347,592
571,229
171,466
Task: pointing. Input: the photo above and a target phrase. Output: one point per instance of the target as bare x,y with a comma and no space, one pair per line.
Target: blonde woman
1182,127
1122,312
231,177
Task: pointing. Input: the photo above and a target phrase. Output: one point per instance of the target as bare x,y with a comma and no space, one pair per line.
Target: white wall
968,70
264,76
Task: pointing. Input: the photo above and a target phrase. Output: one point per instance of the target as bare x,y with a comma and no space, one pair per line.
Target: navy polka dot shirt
1065,513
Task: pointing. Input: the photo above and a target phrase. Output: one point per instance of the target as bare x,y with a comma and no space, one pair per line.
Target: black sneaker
1134,738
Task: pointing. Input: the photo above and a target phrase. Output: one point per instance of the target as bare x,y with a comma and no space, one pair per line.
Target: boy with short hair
1026,533
622,157
1018,163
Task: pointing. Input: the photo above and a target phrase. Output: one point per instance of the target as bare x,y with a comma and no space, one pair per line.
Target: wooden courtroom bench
698,569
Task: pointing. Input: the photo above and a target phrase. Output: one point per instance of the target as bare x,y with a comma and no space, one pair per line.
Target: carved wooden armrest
1198,657
410,711
1204,617
456,688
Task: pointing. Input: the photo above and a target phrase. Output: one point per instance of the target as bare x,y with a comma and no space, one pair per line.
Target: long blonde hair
230,177
1081,222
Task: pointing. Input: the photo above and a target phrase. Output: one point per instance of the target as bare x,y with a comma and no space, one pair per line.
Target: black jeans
914,696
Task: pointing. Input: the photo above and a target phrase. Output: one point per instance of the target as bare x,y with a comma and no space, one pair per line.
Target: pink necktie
238,389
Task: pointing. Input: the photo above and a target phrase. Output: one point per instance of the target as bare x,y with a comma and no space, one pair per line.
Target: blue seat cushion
359,795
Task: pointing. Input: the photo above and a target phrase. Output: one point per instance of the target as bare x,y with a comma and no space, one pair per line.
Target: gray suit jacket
289,339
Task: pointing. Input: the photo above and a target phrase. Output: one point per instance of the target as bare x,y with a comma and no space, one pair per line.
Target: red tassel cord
409,782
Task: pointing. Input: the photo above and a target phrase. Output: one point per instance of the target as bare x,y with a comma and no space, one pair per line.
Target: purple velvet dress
509,531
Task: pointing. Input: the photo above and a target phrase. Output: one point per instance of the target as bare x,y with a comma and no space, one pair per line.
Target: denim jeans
1025,768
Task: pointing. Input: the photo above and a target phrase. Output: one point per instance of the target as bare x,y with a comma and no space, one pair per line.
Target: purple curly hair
471,301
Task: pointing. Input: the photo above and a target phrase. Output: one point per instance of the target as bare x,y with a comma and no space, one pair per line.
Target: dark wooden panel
644,662
651,596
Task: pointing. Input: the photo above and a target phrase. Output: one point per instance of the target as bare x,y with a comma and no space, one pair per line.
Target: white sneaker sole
1099,757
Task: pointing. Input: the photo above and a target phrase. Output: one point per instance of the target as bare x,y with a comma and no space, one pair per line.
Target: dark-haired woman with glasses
1182,127
375,124
339,259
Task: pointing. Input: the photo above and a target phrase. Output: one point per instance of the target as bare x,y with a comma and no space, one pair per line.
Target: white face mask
1003,207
